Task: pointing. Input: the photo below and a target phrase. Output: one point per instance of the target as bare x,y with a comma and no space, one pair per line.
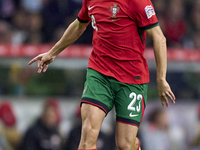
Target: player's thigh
92,115
130,103
125,135
92,118
97,91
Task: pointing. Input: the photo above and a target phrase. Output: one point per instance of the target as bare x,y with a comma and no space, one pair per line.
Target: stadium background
28,27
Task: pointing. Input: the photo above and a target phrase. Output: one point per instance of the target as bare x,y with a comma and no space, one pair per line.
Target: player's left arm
160,52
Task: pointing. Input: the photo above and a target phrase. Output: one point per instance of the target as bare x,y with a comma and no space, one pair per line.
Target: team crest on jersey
149,11
114,10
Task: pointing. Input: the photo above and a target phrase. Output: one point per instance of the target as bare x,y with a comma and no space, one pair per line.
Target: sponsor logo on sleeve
149,11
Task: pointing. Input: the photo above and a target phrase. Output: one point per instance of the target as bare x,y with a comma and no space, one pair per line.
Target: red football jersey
119,37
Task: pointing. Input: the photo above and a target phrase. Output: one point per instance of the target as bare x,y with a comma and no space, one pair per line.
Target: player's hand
43,61
165,92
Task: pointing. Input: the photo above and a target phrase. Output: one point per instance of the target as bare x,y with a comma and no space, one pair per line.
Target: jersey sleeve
144,14
83,14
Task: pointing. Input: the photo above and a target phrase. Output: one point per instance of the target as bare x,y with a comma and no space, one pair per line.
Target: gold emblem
114,10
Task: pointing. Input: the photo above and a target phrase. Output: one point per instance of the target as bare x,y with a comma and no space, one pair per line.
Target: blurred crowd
44,132
38,21
44,21
180,22
157,132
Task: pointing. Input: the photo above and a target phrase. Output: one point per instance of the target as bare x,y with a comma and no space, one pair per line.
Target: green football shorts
105,92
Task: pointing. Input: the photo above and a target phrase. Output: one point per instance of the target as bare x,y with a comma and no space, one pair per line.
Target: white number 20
132,103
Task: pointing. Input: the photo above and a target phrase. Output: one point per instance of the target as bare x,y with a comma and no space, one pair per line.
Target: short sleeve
83,14
143,13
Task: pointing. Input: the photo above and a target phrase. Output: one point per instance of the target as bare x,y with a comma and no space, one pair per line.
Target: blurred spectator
104,142
160,7
195,143
36,22
34,38
44,134
158,135
21,24
35,29
5,33
8,119
7,8
58,34
196,40
175,24
195,24
4,145
195,18
32,5
55,13
192,40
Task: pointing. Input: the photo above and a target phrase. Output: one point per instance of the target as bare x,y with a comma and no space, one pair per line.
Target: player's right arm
72,33
144,15
160,51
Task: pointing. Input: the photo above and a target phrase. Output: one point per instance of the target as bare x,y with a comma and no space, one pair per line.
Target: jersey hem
150,26
122,81
82,21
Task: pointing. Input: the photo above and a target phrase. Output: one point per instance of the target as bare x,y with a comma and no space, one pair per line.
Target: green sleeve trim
150,26
140,33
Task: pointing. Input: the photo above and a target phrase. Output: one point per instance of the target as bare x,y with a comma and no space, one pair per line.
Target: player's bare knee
136,144
124,147
126,144
89,133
